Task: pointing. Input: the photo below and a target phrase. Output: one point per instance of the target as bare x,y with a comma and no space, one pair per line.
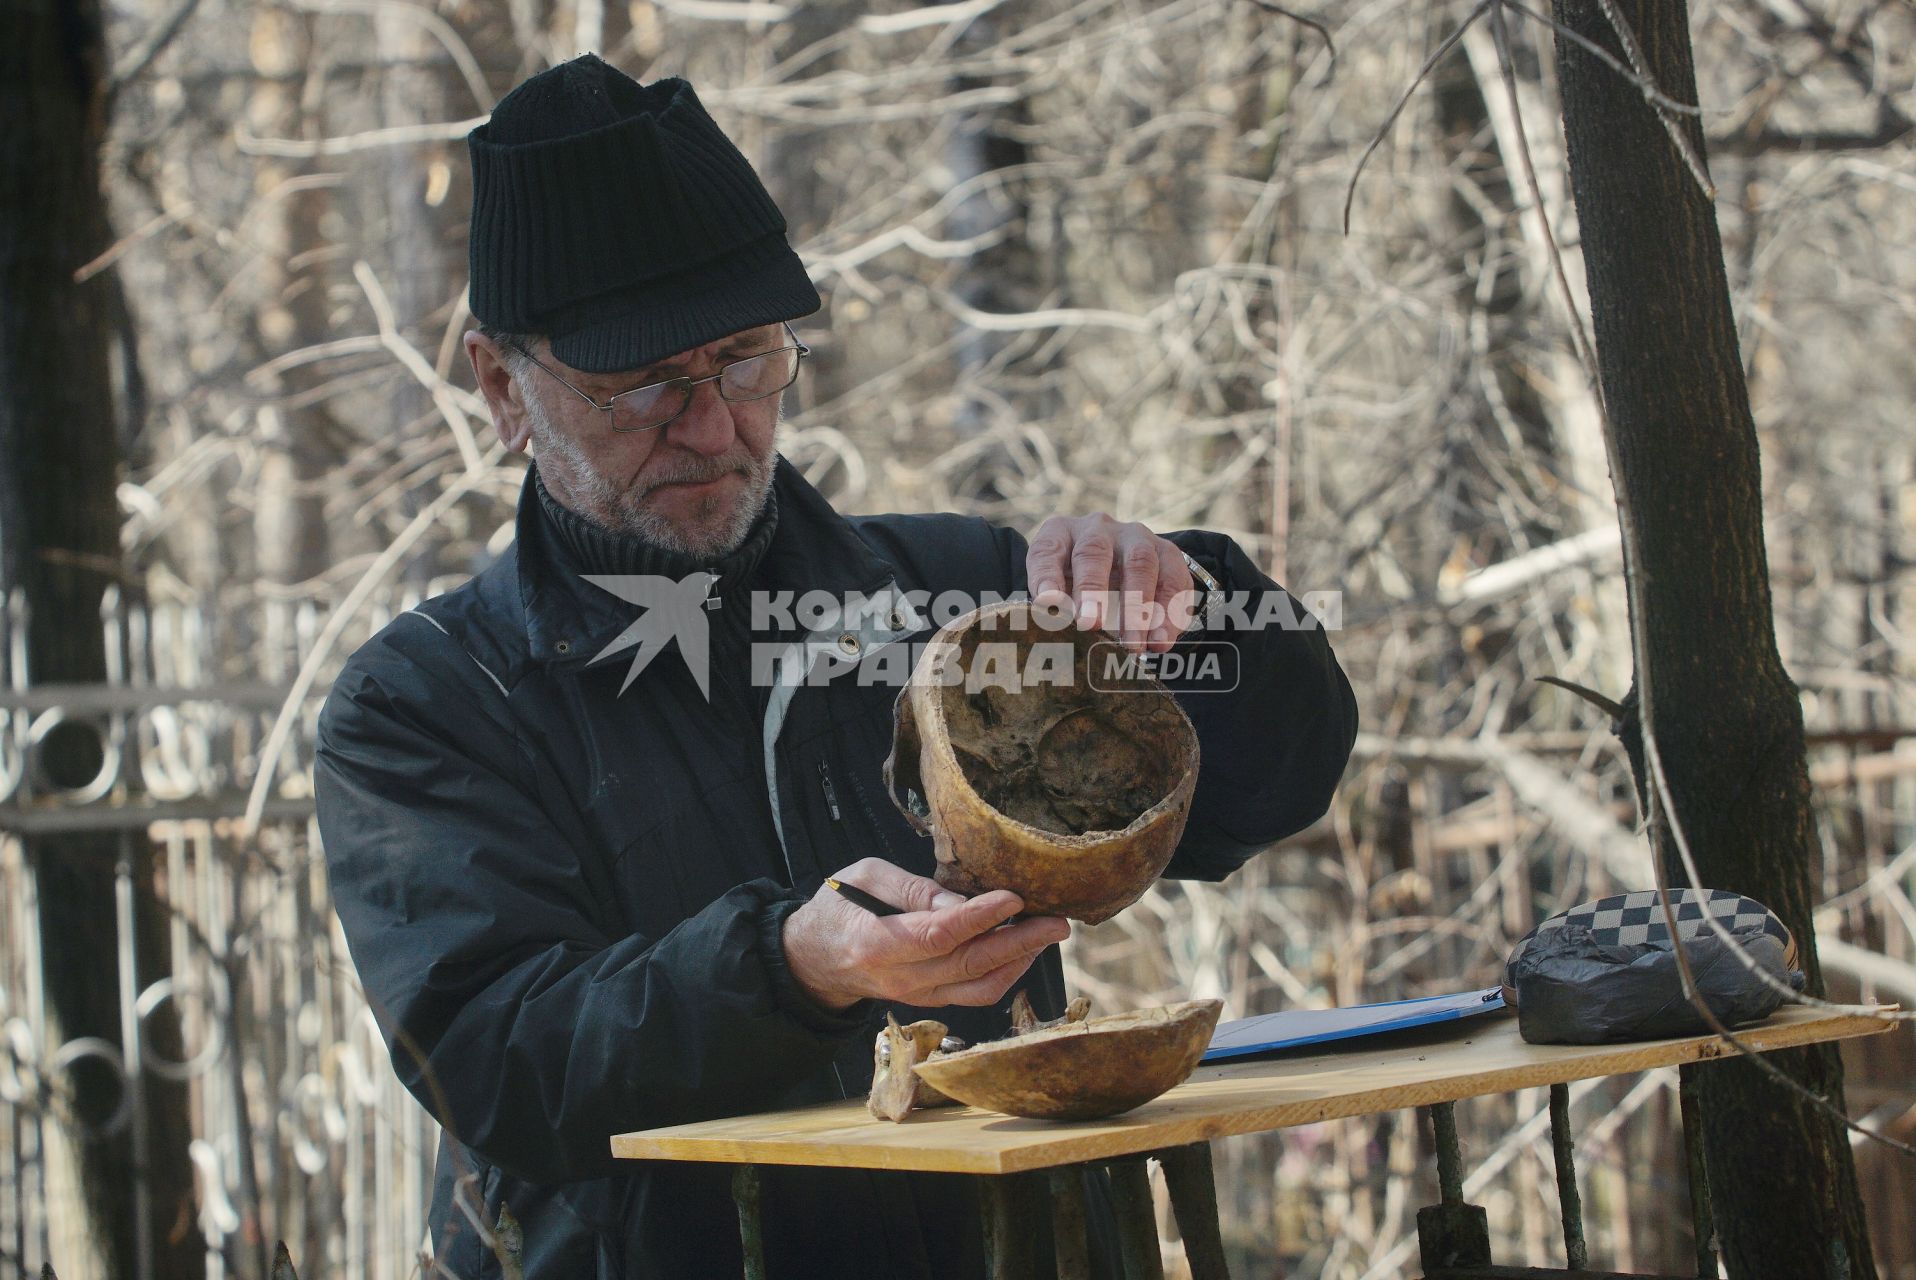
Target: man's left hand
1117,576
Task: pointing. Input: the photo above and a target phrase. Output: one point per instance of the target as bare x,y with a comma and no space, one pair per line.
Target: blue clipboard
1296,1027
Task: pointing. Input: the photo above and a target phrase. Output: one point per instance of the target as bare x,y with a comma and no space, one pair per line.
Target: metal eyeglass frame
610,407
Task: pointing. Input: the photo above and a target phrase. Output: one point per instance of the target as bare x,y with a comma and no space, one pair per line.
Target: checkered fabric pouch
1636,919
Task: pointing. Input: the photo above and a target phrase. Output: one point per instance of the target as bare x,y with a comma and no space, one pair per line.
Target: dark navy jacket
565,902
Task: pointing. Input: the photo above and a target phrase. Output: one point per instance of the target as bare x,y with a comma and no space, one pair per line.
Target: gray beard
620,511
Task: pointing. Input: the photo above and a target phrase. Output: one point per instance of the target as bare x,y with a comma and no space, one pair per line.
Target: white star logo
673,610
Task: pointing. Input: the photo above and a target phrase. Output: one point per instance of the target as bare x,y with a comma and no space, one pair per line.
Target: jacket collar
570,620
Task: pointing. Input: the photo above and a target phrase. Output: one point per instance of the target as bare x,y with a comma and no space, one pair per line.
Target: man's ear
510,420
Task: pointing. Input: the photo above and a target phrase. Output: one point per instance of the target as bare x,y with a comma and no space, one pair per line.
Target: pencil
859,898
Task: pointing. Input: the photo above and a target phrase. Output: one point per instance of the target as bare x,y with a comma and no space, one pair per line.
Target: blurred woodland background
1077,255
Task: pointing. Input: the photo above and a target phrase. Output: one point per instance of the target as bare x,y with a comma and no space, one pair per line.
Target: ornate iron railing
300,1129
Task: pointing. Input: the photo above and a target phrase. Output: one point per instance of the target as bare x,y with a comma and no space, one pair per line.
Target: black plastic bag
1573,988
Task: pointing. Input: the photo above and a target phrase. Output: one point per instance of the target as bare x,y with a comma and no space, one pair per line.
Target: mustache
700,472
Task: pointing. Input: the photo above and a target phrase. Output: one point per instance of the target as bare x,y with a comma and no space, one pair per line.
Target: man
583,895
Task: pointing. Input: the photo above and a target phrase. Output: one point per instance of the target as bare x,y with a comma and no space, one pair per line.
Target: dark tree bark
1729,728
59,543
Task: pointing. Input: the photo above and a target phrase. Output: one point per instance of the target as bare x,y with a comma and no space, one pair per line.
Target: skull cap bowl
1039,762
1082,1070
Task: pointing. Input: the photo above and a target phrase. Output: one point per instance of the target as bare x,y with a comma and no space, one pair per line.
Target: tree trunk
289,521
1729,728
59,544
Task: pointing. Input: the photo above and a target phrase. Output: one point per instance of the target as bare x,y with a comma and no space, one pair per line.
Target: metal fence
301,1130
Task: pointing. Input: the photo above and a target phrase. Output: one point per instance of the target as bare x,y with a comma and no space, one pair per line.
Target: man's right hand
945,948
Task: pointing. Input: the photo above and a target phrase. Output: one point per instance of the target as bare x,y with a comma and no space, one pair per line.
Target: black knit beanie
618,220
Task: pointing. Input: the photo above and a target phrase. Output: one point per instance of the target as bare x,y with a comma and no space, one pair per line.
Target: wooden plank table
1430,1067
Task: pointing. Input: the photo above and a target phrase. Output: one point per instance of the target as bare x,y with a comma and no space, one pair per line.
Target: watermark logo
1209,665
858,635
673,611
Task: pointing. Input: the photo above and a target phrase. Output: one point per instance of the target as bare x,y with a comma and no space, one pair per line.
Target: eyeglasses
652,406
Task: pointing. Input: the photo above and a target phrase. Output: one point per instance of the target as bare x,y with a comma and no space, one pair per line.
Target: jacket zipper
831,795
831,802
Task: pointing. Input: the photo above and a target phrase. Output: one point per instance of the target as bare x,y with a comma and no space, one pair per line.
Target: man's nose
706,426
